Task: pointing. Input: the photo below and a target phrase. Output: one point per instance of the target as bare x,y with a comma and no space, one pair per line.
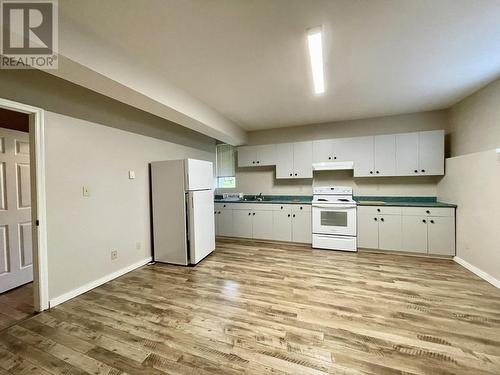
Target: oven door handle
334,207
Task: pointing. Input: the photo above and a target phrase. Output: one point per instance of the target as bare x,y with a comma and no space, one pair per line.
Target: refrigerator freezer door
199,175
201,228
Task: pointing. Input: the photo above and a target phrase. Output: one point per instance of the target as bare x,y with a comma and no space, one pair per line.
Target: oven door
338,219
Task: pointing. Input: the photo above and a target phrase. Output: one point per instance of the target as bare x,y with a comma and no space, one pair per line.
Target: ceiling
247,59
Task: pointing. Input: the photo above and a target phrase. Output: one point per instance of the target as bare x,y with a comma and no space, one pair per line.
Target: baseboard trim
94,284
483,275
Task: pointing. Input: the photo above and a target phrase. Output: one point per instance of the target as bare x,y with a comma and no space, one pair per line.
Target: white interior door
15,210
201,225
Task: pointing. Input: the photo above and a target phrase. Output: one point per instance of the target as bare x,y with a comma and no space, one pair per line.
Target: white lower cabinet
301,224
242,223
389,232
441,235
411,229
282,225
278,222
262,224
414,230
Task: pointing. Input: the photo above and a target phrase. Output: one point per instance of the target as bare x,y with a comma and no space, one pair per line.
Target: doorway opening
16,249
23,257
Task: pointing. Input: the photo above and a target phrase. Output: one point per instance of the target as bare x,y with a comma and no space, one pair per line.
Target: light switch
86,191
131,175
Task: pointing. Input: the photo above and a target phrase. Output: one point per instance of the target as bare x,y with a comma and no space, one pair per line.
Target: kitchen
250,187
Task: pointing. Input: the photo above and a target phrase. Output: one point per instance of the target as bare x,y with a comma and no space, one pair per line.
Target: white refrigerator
182,205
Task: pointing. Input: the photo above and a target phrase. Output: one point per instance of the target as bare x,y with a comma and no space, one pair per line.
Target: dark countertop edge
409,204
264,202
375,200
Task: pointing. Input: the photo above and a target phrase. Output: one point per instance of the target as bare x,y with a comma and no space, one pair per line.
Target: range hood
333,165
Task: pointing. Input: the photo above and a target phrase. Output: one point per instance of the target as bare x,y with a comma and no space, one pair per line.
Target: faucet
259,197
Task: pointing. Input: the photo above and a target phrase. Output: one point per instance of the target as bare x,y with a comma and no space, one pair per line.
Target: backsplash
262,180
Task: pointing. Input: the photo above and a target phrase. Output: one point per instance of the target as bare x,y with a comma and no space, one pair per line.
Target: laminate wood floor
16,305
268,308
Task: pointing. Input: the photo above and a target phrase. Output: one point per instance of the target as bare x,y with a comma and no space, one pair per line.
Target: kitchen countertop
401,201
276,199
361,200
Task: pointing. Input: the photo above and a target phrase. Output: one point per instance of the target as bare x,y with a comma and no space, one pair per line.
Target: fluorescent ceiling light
315,43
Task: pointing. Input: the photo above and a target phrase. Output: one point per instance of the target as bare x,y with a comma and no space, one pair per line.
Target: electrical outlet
114,254
138,246
86,191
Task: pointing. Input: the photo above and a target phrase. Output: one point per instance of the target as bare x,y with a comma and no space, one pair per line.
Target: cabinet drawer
379,210
301,208
429,211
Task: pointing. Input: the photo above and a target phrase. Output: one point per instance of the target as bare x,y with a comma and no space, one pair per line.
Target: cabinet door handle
424,221
329,158
249,213
295,174
378,209
375,219
253,162
258,162
288,215
381,219
253,214
432,221
335,157
291,174
416,171
427,212
371,172
423,170
293,215
281,207
224,206
377,172
301,207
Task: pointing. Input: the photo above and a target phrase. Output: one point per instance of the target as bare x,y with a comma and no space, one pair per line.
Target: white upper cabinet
431,152
420,153
253,156
302,160
323,151
246,156
284,160
407,154
385,155
294,160
362,149
344,149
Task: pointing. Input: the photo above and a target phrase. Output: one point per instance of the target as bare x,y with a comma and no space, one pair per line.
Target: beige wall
94,141
381,125
262,180
82,231
472,178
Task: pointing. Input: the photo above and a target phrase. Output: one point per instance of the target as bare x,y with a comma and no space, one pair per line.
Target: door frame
38,199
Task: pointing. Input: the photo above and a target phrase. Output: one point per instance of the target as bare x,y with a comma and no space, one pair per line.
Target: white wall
472,178
82,231
262,179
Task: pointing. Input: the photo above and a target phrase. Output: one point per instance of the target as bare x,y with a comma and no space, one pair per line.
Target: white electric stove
334,218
